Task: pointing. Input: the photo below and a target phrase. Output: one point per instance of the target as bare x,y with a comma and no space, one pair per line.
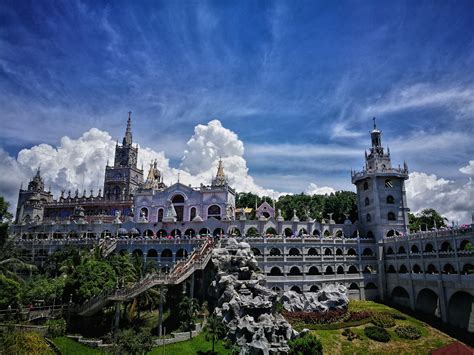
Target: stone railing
180,272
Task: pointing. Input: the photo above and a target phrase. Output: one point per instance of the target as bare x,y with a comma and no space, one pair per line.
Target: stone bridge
432,273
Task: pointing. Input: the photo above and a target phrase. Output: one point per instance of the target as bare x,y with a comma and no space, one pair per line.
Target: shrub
395,315
349,334
356,316
25,343
56,327
129,342
306,344
408,332
377,333
382,320
328,317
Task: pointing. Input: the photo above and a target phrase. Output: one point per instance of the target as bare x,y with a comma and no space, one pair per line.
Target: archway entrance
460,309
427,302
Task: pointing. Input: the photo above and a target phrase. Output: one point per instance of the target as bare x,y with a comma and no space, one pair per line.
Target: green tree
9,292
5,218
90,279
215,328
188,309
341,203
43,288
10,266
426,220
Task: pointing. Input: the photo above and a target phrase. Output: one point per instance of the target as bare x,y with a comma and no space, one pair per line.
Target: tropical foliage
306,344
25,343
426,220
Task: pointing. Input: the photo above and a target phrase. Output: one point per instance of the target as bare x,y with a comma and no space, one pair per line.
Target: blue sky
298,81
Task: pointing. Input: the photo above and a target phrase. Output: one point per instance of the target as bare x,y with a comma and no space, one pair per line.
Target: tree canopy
426,220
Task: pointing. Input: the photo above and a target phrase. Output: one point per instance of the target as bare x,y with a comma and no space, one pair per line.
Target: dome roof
122,231
134,231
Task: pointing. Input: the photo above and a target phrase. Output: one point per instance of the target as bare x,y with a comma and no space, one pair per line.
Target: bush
56,328
129,342
408,332
328,317
382,320
25,343
349,334
356,316
394,315
377,333
306,344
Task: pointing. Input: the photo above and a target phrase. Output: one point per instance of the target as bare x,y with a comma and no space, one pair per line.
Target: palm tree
10,266
188,308
215,328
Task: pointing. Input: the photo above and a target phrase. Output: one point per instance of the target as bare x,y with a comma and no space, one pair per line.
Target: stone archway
401,296
460,309
427,302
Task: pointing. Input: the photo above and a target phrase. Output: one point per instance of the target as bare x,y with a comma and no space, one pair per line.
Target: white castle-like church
375,257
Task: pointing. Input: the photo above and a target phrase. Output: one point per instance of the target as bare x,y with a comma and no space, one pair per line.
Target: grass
335,343
69,346
198,343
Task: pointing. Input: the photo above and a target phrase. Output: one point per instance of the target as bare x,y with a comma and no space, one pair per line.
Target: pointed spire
127,140
375,125
220,178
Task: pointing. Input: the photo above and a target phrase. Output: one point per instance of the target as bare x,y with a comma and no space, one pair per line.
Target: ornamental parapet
361,175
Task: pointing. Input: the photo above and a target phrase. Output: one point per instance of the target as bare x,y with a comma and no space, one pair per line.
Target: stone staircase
180,272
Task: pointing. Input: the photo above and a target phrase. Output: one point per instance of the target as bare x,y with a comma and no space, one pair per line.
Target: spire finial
127,140
375,125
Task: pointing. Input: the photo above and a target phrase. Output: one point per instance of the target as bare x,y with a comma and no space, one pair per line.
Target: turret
220,179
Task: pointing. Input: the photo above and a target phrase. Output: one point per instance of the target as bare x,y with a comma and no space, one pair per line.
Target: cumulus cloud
80,163
314,189
468,169
452,199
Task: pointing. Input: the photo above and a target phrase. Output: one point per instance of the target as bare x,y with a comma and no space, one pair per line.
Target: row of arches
459,305
431,269
429,248
314,270
213,211
163,254
315,288
315,252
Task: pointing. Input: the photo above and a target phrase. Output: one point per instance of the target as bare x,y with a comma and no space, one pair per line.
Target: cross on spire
375,125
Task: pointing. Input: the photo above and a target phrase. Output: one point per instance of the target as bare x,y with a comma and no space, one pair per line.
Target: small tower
220,179
31,201
381,195
123,178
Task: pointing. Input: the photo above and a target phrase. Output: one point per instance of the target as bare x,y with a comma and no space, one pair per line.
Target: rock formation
328,298
245,304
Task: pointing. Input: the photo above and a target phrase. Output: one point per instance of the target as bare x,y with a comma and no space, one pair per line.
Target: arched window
275,271
367,201
389,251
275,252
352,270
416,269
391,269
329,271
401,250
390,200
177,199
367,252
391,216
313,270
340,270
432,269
192,213
295,270
214,211
328,251
312,251
144,212
351,252
366,185
403,269
368,218
160,215
428,248
414,249
294,252
338,251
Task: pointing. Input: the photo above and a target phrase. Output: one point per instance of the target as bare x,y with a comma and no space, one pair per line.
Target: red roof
455,348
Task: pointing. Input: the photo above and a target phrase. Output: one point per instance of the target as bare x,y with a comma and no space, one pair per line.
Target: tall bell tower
123,178
381,195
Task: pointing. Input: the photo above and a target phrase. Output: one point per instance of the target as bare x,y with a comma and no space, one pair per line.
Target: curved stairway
180,272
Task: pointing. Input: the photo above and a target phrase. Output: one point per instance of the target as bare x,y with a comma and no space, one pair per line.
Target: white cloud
468,169
340,130
314,189
80,163
452,199
421,95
